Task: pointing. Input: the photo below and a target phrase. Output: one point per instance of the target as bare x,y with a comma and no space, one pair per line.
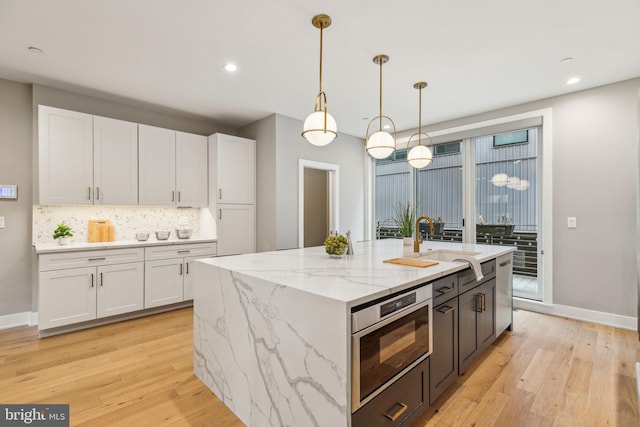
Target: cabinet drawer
179,251
401,403
64,260
445,288
467,279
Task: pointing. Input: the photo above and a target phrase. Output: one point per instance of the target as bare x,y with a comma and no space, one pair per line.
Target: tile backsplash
127,220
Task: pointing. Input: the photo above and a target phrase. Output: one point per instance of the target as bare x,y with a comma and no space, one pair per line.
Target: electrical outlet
1,222
571,222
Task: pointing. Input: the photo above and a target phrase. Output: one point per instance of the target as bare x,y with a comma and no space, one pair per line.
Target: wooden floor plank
548,371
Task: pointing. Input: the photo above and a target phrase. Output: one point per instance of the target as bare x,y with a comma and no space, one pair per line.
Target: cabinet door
120,289
66,297
188,277
444,357
115,162
236,227
191,170
487,315
235,169
163,282
467,330
65,157
156,166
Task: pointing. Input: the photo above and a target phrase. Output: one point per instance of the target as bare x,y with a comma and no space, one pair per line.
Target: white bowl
142,236
184,233
162,235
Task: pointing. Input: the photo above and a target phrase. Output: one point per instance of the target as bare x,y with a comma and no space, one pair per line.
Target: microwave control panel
397,304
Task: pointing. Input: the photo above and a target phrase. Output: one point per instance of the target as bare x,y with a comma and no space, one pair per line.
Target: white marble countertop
351,279
45,248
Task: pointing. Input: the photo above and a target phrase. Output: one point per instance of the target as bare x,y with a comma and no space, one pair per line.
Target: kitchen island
272,331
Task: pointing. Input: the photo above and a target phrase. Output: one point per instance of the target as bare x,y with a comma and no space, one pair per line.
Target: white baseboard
602,318
26,318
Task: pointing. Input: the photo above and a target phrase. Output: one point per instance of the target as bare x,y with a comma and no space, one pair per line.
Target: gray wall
15,168
595,178
279,138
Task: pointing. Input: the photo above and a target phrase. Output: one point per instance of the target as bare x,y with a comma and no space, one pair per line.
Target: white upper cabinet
115,163
157,166
172,168
191,170
65,155
235,169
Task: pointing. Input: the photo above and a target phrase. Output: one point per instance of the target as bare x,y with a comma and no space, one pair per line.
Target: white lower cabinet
99,284
80,286
168,272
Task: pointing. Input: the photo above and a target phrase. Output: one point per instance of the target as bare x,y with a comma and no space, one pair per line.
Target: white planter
407,241
63,240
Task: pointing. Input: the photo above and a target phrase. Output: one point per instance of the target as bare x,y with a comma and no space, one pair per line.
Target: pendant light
320,127
381,144
420,155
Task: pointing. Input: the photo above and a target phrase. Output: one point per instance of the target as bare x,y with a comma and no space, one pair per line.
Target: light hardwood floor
548,372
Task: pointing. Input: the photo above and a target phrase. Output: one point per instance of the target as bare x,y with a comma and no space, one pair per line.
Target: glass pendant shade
380,145
314,129
320,127
419,156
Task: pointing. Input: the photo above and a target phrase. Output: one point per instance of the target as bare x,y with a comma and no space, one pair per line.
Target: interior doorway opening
317,202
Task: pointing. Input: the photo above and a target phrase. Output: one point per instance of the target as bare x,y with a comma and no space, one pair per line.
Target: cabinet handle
92,280
484,302
173,196
219,213
178,196
445,290
97,193
184,251
220,193
187,266
504,264
100,279
399,412
89,188
97,259
180,269
478,308
445,310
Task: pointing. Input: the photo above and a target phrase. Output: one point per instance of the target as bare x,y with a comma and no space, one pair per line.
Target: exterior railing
525,258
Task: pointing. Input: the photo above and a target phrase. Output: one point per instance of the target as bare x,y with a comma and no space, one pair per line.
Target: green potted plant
405,221
62,233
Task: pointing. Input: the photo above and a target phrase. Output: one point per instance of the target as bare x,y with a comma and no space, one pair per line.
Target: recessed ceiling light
386,126
573,80
34,49
232,68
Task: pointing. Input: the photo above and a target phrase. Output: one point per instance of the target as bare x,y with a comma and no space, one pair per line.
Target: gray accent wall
279,137
15,168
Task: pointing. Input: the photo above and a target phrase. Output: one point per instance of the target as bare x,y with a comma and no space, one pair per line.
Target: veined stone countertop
356,278
49,248
272,331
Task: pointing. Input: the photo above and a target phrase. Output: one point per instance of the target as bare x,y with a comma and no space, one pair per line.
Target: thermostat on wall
8,192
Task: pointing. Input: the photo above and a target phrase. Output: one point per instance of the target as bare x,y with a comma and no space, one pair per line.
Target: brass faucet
418,239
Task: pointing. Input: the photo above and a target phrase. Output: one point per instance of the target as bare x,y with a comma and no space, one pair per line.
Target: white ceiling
476,55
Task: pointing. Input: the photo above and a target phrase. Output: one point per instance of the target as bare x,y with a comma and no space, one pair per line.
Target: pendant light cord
381,62
420,117
321,28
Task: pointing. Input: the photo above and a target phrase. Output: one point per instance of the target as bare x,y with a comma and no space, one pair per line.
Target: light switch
1,222
571,222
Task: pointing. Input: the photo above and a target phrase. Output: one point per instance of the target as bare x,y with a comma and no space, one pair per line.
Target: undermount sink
445,255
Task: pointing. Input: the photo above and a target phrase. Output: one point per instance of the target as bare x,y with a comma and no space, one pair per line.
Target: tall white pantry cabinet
232,192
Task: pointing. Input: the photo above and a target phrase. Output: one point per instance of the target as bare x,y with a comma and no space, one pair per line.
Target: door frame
333,187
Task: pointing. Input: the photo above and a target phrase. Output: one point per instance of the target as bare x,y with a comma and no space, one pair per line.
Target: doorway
318,202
